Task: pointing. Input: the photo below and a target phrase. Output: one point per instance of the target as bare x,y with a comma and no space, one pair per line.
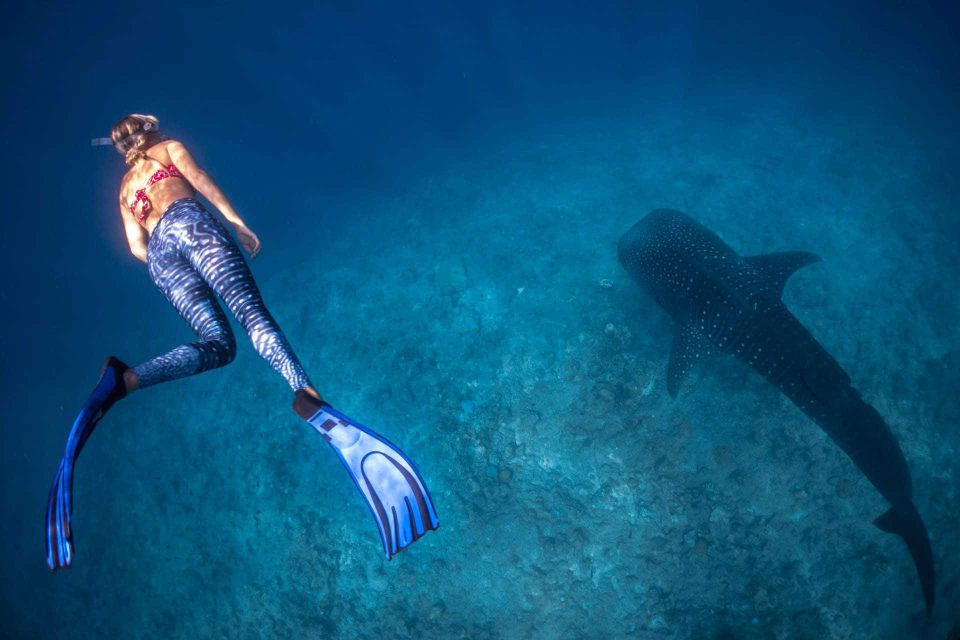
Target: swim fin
389,482
109,390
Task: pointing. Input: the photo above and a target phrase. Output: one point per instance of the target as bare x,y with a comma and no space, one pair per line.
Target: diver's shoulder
166,143
127,175
165,150
162,145
125,185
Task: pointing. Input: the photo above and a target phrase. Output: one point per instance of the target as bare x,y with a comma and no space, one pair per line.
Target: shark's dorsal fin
778,267
689,347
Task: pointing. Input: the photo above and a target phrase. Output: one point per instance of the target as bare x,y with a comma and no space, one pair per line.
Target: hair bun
135,133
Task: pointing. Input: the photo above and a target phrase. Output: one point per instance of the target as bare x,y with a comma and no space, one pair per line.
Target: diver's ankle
131,381
306,402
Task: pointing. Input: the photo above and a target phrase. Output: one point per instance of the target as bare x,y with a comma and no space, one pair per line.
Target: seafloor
478,317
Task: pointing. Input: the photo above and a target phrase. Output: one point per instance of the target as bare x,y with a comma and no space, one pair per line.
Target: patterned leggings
190,256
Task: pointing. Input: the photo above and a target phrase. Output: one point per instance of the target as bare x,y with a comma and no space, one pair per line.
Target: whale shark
721,302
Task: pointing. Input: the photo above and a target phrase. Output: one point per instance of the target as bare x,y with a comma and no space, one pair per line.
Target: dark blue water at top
439,190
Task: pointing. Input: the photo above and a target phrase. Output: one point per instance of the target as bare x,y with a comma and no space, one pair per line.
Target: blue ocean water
439,190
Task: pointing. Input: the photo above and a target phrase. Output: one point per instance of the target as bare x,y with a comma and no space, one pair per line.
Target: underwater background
439,188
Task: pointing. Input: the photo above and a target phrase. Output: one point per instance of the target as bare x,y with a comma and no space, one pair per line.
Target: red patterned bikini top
170,171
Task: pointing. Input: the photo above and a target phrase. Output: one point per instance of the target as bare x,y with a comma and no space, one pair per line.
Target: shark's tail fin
907,524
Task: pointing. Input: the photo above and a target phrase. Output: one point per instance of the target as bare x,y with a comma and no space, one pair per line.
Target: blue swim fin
389,482
109,389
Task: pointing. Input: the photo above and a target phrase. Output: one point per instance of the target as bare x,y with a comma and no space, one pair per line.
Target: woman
191,257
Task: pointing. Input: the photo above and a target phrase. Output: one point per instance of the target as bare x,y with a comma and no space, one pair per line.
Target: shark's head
643,249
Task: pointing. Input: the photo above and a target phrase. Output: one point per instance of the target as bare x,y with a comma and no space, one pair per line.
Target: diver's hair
134,134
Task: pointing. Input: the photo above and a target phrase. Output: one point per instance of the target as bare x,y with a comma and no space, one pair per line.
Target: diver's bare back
162,193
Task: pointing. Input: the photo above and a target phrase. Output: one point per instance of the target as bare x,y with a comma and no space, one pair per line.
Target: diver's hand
248,240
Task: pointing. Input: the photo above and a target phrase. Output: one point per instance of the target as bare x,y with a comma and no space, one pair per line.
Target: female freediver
192,258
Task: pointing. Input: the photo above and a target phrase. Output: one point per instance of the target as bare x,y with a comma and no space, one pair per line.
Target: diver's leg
193,299
196,302
389,482
217,257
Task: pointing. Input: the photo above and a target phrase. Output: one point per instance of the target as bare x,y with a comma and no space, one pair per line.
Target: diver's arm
209,189
136,235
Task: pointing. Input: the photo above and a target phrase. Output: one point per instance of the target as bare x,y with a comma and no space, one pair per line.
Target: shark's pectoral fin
889,522
776,268
689,347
